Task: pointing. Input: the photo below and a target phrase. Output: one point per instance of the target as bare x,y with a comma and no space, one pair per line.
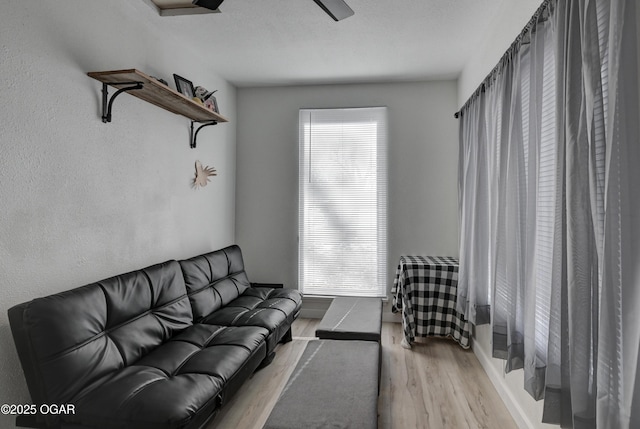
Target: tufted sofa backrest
72,340
214,279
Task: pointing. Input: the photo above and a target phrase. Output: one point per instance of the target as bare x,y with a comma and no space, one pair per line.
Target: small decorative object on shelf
184,86
207,98
202,175
162,81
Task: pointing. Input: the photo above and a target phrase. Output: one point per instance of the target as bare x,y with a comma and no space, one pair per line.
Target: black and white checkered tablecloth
425,290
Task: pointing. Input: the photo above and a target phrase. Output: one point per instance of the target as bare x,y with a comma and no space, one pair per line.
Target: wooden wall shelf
152,91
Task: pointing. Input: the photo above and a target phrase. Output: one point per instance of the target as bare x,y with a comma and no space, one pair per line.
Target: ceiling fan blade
336,9
208,4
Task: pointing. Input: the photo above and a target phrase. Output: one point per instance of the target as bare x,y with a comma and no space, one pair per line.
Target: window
343,202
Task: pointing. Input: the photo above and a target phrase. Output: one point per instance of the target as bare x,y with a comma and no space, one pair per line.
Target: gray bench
336,382
352,319
334,385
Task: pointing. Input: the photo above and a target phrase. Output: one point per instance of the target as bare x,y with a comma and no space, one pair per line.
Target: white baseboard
519,415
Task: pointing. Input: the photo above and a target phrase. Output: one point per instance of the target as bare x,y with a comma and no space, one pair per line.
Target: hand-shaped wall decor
202,175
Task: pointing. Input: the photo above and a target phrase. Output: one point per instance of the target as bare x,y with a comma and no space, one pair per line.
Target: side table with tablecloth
425,290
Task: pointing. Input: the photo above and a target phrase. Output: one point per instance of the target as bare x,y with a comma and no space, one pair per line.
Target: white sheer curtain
473,200
550,213
618,395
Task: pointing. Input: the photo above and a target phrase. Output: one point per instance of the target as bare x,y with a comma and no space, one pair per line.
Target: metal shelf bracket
107,103
194,135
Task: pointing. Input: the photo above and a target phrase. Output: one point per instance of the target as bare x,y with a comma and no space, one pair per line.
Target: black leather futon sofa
162,347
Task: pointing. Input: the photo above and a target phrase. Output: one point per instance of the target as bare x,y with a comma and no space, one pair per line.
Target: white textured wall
423,156
82,200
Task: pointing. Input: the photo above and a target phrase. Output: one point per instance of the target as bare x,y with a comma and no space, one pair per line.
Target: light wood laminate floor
436,385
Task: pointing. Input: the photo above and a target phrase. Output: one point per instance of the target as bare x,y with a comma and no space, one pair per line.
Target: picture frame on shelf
184,86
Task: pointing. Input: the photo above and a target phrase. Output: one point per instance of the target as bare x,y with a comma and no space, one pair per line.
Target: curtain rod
506,56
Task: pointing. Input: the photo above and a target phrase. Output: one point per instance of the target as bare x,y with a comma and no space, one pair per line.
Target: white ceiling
284,42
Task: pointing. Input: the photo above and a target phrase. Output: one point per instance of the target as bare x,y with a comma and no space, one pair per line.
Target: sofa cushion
176,385
265,307
214,279
273,309
77,337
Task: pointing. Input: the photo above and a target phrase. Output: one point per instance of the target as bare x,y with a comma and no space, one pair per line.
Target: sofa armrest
271,285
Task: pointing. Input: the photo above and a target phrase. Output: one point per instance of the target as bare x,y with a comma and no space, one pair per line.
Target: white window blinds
343,202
